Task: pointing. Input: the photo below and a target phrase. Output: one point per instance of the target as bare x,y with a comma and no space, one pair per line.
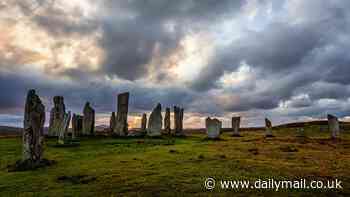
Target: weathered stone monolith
268,128
213,127
144,123
77,125
155,122
33,136
88,120
56,115
167,126
63,131
178,121
181,122
33,130
121,127
236,121
333,125
112,122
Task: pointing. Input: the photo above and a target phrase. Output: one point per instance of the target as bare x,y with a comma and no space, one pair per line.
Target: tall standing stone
268,128
236,121
56,115
181,122
213,127
167,127
178,121
144,122
63,131
33,125
155,122
121,127
77,125
333,125
88,120
112,122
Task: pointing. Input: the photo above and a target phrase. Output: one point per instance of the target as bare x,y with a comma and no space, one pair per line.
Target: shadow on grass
29,165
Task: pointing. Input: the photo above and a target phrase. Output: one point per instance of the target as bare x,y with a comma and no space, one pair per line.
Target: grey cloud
129,43
290,58
280,48
101,94
133,30
321,90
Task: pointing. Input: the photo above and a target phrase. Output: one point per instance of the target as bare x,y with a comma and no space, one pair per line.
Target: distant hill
343,125
6,131
303,124
10,131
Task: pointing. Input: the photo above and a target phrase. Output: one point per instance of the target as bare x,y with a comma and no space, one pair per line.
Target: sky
287,60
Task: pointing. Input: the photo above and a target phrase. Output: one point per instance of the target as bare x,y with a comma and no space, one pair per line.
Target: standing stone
236,121
63,131
155,122
178,121
333,125
181,122
77,125
56,115
112,122
268,127
33,133
121,127
167,123
144,123
301,133
88,120
213,127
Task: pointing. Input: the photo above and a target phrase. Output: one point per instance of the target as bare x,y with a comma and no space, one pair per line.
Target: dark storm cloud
278,48
323,90
129,41
100,94
290,56
133,30
301,102
267,91
12,91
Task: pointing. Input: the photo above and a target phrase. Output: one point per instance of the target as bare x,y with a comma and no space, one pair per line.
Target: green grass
178,167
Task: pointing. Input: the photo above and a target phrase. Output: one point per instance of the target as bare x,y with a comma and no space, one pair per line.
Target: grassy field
104,166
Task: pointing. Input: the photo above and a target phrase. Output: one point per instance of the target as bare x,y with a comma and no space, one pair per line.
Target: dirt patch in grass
254,151
288,149
76,179
173,151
